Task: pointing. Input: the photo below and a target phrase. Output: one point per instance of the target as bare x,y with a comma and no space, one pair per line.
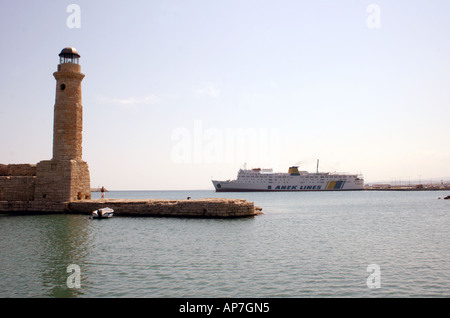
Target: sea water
306,244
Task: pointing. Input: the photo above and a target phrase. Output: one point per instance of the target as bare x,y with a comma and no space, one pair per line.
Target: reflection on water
67,242
36,251
305,245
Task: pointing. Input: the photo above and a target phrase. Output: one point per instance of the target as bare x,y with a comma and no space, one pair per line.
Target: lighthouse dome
69,55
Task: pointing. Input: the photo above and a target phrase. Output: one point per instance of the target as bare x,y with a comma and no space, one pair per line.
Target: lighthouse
68,114
65,178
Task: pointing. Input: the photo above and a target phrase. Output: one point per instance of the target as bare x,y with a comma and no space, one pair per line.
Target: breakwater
203,208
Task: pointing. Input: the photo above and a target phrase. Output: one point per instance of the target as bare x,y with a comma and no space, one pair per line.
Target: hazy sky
179,92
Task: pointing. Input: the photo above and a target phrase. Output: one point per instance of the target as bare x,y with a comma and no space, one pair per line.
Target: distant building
380,186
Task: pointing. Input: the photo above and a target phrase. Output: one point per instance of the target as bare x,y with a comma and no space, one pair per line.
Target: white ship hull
265,180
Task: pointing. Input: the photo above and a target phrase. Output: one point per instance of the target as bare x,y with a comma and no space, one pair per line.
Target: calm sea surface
316,244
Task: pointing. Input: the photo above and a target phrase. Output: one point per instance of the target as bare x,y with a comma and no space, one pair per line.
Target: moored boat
104,213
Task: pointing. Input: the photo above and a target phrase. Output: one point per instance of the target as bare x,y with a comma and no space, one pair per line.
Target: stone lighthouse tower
65,177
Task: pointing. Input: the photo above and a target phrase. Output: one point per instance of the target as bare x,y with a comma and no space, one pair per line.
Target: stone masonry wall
81,181
17,188
68,113
17,170
17,182
204,208
31,207
62,181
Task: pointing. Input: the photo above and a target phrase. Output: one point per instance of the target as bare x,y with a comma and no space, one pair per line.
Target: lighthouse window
69,59
63,87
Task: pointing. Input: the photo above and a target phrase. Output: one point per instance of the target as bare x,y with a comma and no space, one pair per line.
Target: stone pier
204,208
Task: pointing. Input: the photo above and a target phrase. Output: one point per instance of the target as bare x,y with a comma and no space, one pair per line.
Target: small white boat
104,213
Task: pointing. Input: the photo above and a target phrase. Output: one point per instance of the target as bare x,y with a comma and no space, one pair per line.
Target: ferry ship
295,180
